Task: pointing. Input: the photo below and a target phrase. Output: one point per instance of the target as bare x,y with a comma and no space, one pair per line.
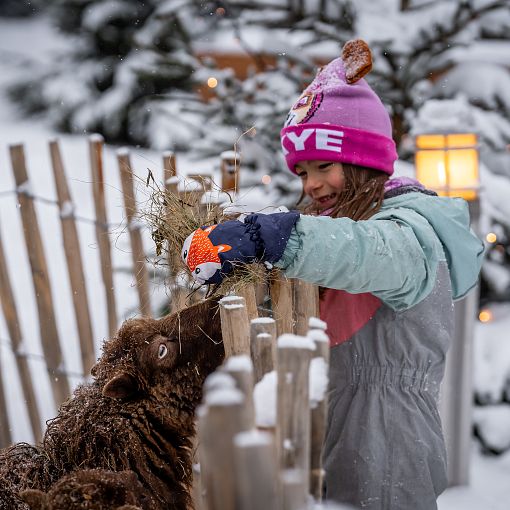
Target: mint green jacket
394,255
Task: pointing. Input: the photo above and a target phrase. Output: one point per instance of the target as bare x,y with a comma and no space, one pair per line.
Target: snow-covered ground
490,476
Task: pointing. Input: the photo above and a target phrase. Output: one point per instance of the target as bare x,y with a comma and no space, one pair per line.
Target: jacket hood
449,217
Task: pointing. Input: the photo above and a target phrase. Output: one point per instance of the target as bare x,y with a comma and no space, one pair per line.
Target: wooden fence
245,463
240,466
51,342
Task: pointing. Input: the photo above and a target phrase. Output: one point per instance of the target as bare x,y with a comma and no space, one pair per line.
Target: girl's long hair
361,197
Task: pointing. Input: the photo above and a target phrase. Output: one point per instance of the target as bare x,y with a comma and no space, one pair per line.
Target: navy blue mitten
212,252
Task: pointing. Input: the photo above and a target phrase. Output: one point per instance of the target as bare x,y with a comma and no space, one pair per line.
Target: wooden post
306,304
178,297
74,260
229,171
235,326
294,495
170,172
241,369
293,408
44,299
11,318
103,241
5,430
223,418
281,299
218,380
263,346
256,471
319,412
248,293
137,251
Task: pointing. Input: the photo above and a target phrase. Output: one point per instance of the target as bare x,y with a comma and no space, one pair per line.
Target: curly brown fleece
137,413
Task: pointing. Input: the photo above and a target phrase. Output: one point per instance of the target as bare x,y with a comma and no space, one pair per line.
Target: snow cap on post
340,118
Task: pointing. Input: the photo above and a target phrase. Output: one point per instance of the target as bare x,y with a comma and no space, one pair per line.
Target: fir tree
124,54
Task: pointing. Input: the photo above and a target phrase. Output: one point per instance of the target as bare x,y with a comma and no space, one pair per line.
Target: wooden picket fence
242,466
47,323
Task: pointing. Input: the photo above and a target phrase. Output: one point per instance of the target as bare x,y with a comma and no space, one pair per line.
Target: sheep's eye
162,351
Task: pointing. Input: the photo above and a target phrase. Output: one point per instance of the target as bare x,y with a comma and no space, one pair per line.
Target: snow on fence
51,343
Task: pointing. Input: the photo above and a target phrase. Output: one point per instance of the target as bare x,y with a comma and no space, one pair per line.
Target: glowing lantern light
485,315
448,164
491,237
212,82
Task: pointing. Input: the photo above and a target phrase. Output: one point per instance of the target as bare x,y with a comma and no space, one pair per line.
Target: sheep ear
35,499
121,386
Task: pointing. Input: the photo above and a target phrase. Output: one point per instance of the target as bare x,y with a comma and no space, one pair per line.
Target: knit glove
212,252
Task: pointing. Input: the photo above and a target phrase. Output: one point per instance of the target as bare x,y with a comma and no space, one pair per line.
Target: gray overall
384,447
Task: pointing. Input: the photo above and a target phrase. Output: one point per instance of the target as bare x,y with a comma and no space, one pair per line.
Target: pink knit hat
340,118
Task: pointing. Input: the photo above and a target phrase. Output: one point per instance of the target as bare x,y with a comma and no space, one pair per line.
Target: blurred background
199,78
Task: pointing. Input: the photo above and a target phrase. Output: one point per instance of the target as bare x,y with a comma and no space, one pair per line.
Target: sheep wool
137,414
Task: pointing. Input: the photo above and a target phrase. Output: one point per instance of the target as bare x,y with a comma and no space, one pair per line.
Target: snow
317,335
252,438
219,380
492,355
264,399
239,363
230,300
288,341
224,397
494,423
318,381
263,320
316,323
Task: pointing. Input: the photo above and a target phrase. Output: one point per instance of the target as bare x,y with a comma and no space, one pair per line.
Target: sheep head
148,355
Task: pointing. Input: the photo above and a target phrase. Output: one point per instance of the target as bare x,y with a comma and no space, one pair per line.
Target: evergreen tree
124,53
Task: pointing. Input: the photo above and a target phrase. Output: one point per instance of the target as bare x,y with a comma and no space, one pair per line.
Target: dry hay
173,215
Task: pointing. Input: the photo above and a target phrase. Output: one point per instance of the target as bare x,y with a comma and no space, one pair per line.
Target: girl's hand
212,252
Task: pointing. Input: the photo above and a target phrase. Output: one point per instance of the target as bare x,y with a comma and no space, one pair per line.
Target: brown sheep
90,489
138,412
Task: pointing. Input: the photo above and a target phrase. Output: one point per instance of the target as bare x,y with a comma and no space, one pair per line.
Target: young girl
390,256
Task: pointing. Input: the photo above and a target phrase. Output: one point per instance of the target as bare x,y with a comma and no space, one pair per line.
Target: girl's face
322,181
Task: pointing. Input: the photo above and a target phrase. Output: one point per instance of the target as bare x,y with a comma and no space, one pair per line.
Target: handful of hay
174,214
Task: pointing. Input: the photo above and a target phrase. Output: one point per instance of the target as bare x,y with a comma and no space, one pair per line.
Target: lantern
448,164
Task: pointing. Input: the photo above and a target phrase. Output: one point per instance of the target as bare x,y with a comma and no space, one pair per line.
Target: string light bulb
266,179
491,237
485,315
212,82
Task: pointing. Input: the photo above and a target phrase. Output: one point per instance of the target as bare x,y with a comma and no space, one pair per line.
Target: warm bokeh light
212,82
266,179
448,163
485,315
491,237
220,11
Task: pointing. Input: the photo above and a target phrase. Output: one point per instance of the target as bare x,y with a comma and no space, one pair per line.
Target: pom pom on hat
340,118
